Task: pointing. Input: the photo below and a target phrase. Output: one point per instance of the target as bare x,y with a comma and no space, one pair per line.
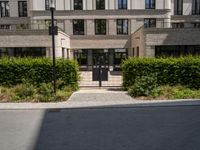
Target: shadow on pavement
153,128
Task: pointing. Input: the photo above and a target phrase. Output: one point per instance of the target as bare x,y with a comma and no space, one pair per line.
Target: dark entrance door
100,66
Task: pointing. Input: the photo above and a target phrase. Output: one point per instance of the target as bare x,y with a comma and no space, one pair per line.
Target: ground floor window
23,52
88,58
177,51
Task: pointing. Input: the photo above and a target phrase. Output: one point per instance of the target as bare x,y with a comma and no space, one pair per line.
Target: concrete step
114,79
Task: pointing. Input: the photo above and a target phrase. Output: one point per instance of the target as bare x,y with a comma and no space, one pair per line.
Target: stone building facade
112,29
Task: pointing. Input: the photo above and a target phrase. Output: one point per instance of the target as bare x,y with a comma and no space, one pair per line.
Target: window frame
79,32
149,25
101,21
24,9
101,3
6,12
120,23
150,4
195,7
79,5
122,4
178,10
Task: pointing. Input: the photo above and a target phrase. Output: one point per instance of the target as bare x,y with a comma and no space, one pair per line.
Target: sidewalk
99,98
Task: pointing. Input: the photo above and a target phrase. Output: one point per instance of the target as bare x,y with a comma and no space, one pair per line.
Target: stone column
167,21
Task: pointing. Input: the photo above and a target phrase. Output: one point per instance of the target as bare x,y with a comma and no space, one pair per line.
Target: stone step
114,79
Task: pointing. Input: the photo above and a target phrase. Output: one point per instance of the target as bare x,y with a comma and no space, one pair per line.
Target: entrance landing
114,79
99,96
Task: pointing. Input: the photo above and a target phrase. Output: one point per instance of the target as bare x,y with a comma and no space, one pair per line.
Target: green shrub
37,71
170,71
23,91
45,92
143,86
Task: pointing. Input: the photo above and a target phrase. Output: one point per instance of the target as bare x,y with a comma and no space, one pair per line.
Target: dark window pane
122,4
100,26
78,27
196,7
178,7
150,4
4,7
150,23
22,8
100,4
122,26
78,4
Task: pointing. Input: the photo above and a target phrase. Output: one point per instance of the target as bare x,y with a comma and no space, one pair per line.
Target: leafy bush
143,86
170,71
23,91
37,71
179,92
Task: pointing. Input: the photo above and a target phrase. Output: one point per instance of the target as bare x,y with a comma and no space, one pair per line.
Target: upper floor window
100,4
150,23
78,27
150,4
178,7
122,4
196,7
22,8
100,27
122,26
78,4
4,7
47,5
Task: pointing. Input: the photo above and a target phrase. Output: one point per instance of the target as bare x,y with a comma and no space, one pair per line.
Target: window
4,26
150,4
122,26
100,4
177,50
122,4
22,8
196,25
78,27
178,25
138,51
100,27
150,23
178,7
196,7
78,4
4,7
47,5
23,52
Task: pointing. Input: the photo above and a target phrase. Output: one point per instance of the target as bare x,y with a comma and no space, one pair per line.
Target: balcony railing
28,27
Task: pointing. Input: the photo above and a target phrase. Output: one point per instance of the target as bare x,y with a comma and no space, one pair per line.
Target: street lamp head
52,4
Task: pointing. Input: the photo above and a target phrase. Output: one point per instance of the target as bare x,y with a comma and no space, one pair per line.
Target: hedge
37,70
169,71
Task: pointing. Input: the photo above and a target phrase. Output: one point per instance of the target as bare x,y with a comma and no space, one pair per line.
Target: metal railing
36,26
161,24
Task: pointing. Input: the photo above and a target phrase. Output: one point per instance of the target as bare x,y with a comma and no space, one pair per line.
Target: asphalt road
147,128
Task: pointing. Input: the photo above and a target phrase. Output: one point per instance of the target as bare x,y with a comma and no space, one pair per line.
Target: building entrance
111,58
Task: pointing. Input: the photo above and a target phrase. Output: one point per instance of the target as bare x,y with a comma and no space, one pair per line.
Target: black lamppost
52,31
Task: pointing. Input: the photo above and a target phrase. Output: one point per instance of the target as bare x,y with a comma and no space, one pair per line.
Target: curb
98,105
